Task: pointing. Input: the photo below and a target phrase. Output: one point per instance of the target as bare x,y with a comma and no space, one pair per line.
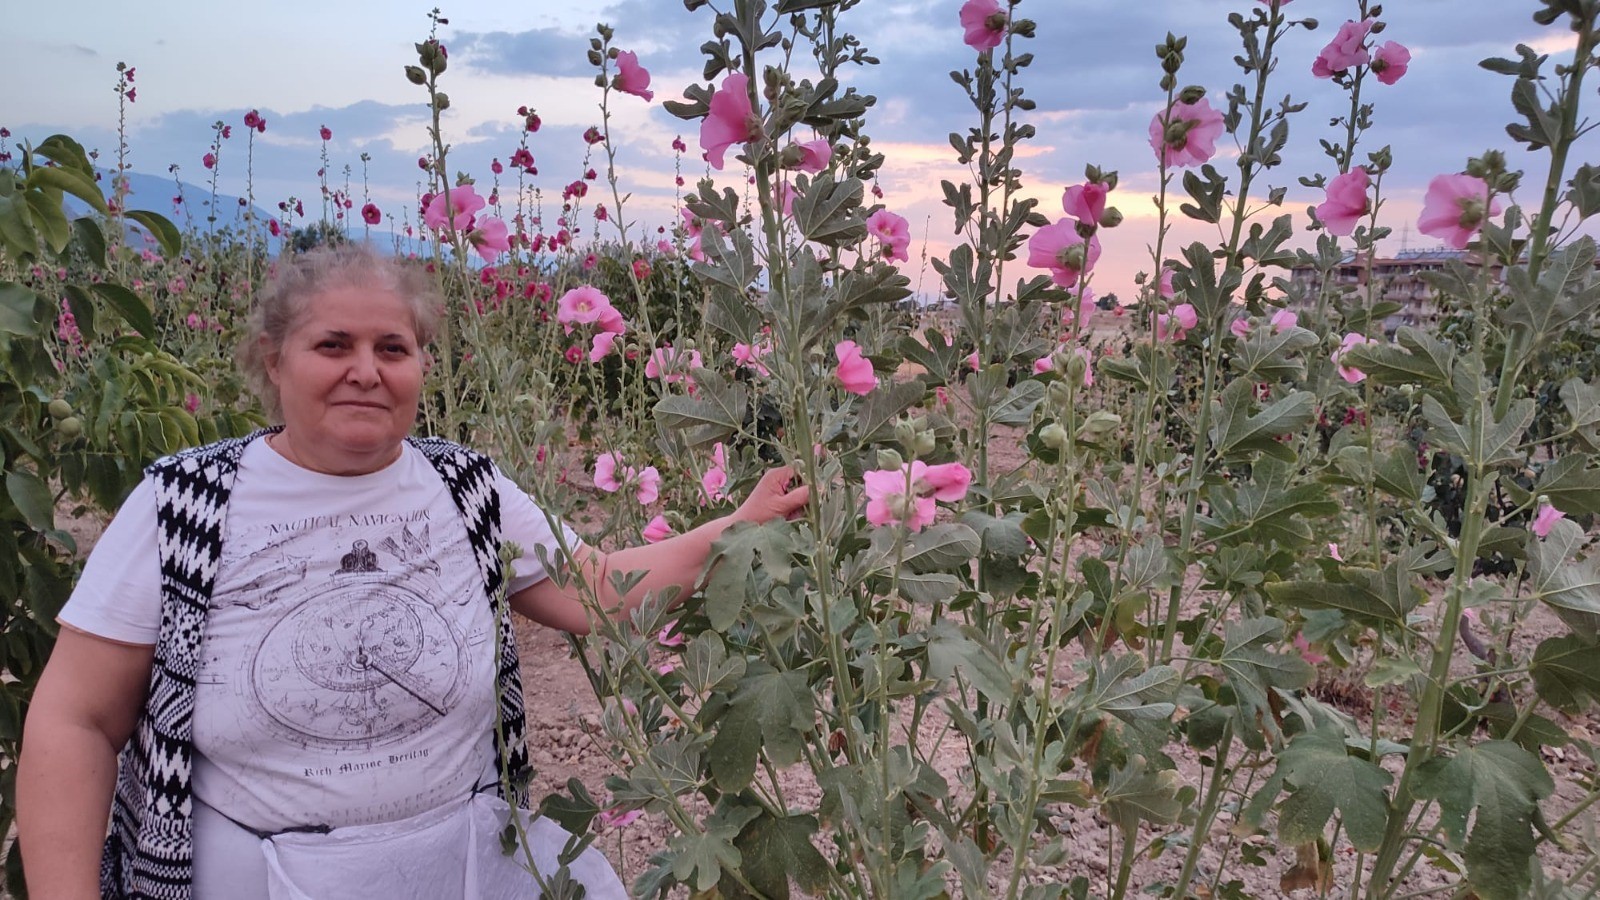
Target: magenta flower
855,372
655,531
732,120
1062,250
464,202
1546,519
605,472
893,234
371,214
616,818
592,135
1085,202
326,132
581,306
1345,50
983,23
814,156
600,347
209,160
1390,61
1347,202
632,78
1455,207
523,160
1350,373
1186,133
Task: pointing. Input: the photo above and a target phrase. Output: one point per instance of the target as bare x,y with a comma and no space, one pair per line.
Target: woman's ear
270,357
427,362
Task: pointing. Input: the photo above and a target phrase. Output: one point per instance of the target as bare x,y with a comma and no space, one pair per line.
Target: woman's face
349,378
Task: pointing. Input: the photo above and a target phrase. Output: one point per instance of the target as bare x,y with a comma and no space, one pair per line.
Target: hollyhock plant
1346,202
671,366
1455,207
655,531
464,202
814,156
632,78
1347,49
605,472
1177,324
983,24
581,306
601,345
1085,202
372,215
646,484
1283,320
1390,61
855,372
1185,134
1546,519
1062,250
714,483
892,232
732,120
1350,373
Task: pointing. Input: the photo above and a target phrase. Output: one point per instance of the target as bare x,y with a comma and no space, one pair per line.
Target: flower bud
1054,436
416,75
1024,28
889,459
441,101
1309,23
1099,424
1111,218
1060,397
59,409
1191,94
925,443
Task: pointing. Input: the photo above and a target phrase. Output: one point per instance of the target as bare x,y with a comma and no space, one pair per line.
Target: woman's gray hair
298,279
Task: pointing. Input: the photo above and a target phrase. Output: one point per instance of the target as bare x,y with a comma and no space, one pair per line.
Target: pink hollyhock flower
371,214
892,232
890,503
1085,202
815,156
209,160
1188,136
1164,287
274,227
647,484
490,239
671,366
1455,207
252,119
1062,250
1350,373
749,356
464,202
1306,653
983,23
600,347
327,133
1240,327
855,371
632,78
1333,551
590,262
655,531
573,355
1390,61
947,481
615,818
1283,320
191,402
664,247
714,482
1347,202
786,195
1546,519
605,472
679,145
1178,323
592,135
495,166
524,160
732,120
972,361
581,306
1082,310
641,269
668,637
1345,50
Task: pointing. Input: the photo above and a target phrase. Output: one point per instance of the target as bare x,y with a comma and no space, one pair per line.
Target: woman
297,631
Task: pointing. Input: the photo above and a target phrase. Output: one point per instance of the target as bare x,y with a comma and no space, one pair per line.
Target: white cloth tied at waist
449,853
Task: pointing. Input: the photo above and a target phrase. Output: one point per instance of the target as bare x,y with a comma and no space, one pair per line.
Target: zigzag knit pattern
149,852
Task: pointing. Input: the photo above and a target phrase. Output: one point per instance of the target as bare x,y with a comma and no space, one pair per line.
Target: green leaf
1269,355
1365,594
1399,476
1134,793
732,563
826,211
1566,671
1324,777
783,709
1123,687
573,810
702,855
49,219
129,306
710,416
91,240
1000,536
31,496
1236,430
952,646
1571,485
1571,589
64,151
1017,407
18,310
929,587
941,547
1253,670
707,667
1582,402
880,409
776,850
71,182
166,233
1503,783
1564,294
1418,358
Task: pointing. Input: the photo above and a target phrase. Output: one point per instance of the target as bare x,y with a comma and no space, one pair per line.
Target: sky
1094,79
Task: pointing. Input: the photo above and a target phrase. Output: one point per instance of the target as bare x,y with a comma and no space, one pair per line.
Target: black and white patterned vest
149,852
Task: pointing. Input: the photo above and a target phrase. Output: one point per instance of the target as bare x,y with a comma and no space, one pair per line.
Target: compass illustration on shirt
361,660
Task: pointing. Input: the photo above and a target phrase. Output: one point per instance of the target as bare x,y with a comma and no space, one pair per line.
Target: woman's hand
773,498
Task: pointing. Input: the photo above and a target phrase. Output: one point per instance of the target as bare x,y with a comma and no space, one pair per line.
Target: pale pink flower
732,120
1390,61
1306,653
489,238
786,195
1333,551
983,24
668,636
191,402
1546,519
632,78
972,361
890,503
1178,323
1164,287
671,366
815,156
1283,320
1346,203
1350,373
1455,207
1062,250
749,356
605,472
601,345
464,202
611,320
646,483
855,372
892,232
1240,327
1189,135
1085,202
655,531
946,481
1345,50
715,481
581,306
615,818
1081,311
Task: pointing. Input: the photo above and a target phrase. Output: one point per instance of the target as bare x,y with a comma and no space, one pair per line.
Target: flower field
1272,579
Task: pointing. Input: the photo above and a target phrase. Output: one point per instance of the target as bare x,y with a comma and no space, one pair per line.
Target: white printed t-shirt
347,675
